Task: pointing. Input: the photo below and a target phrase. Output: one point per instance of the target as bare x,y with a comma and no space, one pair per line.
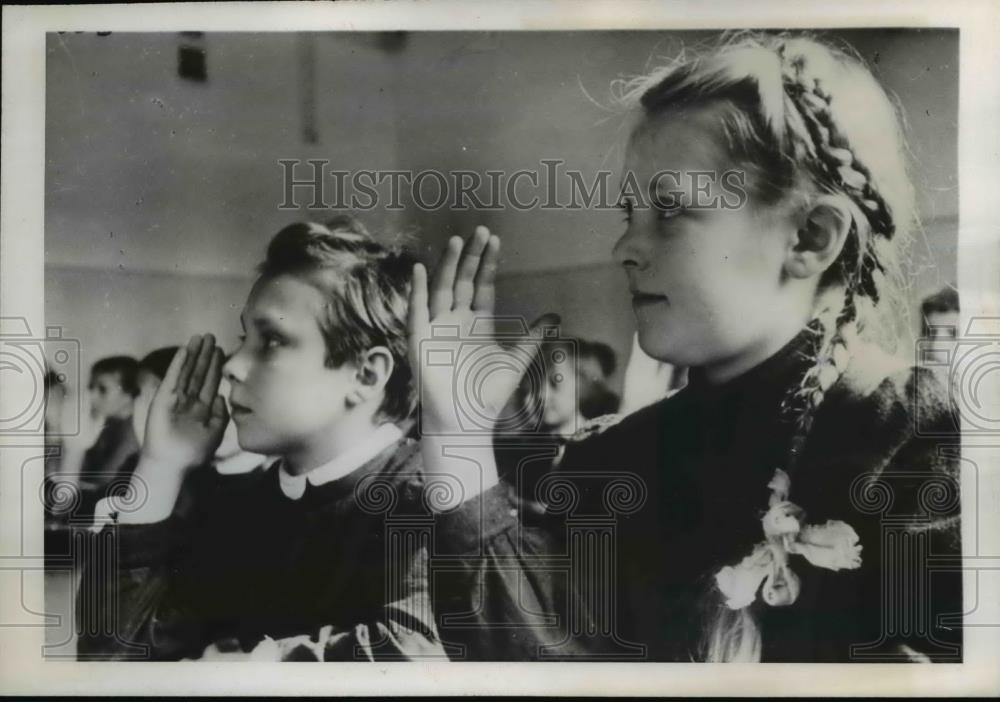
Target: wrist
155,485
465,463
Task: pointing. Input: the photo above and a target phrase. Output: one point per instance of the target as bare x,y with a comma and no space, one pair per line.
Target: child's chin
254,444
654,343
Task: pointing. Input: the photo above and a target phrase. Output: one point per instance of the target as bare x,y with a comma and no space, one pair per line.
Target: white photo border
22,668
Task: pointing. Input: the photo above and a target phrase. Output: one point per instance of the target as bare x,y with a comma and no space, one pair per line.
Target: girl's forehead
682,139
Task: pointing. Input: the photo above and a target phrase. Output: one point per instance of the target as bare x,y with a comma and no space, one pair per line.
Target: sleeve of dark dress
909,507
499,580
140,592
401,629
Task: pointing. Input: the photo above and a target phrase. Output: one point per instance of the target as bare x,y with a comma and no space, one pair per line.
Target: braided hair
862,265
804,118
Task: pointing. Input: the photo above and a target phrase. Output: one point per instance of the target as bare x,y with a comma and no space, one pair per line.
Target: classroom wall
161,193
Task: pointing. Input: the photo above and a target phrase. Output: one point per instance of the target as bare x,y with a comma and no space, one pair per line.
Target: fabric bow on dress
833,545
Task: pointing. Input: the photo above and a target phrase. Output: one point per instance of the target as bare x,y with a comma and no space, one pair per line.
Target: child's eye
626,207
272,341
669,213
667,206
668,209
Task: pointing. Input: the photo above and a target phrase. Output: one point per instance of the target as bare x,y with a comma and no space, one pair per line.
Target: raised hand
187,417
186,421
461,301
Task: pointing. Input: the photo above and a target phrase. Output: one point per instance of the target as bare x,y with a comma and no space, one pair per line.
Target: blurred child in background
565,386
113,388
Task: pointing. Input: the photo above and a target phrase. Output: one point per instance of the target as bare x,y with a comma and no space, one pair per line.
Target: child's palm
188,417
454,322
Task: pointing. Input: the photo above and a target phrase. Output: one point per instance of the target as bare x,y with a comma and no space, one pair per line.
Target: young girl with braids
789,498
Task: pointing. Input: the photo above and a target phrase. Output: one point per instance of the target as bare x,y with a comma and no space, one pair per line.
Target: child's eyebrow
265,319
666,187
262,319
665,193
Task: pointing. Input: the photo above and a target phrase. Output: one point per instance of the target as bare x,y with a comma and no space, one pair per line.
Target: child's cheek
290,388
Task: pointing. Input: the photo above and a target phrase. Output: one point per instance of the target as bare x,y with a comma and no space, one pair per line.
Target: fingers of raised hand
484,298
209,390
171,378
202,363
442,289
187,368
194,375
417,314
468,268
466,274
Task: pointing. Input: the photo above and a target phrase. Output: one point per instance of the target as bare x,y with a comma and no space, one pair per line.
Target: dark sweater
114,447
652,507
335,569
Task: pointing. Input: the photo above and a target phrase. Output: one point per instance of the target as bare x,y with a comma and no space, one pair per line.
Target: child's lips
236,410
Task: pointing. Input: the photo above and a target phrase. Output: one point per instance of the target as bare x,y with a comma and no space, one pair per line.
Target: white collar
240,462
294,486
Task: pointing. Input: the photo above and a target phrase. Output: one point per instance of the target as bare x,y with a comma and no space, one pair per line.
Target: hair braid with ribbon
861,270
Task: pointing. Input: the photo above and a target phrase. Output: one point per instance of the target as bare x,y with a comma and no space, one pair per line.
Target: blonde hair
804,117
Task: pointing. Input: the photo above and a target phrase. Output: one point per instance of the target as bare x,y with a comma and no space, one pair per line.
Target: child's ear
820,239
374,369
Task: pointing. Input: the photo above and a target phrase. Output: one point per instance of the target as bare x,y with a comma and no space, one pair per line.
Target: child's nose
234,369
627,251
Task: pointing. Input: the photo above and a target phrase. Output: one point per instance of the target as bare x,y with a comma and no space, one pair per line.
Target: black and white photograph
430,338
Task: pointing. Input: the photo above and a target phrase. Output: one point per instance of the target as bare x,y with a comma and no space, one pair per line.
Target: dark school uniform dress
523,460
643,513
333,573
